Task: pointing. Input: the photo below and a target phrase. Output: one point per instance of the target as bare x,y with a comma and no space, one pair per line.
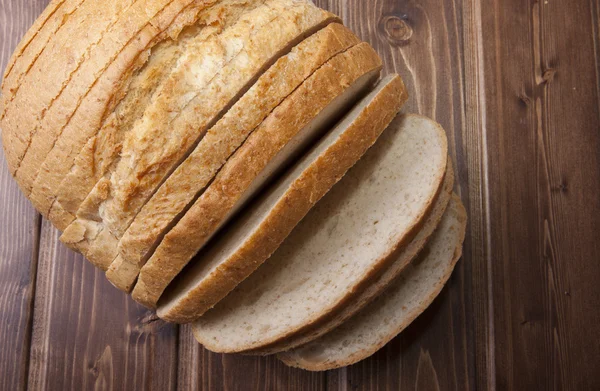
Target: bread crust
296,357
59,68
102,151
236,177
313,183
217,146
77,112
149,156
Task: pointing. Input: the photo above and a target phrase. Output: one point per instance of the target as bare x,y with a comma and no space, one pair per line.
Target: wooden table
517,86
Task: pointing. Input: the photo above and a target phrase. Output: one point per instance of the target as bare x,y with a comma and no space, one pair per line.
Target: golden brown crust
55,68
314,182
78,111
101,153
236,177
150,154
218,144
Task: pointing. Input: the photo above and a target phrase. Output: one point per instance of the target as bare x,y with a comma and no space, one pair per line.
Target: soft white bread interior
374,287
345,241
396,308
256,234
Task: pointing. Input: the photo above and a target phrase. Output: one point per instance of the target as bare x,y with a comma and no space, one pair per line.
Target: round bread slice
257,234
395,309
380,283
300,119
171,200
341,245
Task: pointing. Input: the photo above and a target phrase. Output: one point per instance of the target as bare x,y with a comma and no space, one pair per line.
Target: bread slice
101,153
392,312
40,116
150,153
257,234
348,238
301,118
378,284
171,200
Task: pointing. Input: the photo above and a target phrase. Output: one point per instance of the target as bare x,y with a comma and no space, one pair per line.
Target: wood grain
544,179
19,229
88,335
516,84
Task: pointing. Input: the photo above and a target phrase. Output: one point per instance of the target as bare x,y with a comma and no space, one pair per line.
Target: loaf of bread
208,156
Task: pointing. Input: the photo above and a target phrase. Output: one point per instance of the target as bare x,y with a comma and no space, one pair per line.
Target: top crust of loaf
238,175
105,72
150,154
334,250
396,308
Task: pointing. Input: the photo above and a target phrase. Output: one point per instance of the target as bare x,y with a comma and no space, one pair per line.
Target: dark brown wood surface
516,84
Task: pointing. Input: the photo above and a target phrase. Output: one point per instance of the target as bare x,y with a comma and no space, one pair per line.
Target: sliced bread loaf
379,283
27,105
257,234
237,56
396,308
59,106
171,200
77,113
342,244
101,153
302,117
32,44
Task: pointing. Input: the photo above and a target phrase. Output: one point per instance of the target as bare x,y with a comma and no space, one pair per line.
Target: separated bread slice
257,234
67,69
395,309
77,113
347,239
171,200
101,153
150,153
378,284
301,118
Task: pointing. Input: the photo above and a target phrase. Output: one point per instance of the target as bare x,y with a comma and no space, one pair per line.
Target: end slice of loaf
163,209
302,117
378,284
342,244
258,233
150,153
395,309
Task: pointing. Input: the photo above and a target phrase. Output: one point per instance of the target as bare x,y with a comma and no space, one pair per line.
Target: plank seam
31,305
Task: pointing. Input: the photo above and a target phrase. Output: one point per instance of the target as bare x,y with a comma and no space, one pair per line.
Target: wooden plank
200,369
542,127
89,335
19,236
423,41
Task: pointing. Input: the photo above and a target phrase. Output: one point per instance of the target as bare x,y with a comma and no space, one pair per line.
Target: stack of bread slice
238,164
